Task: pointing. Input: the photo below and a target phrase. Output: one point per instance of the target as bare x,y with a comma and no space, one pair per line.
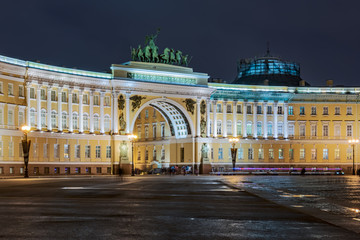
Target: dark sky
322,35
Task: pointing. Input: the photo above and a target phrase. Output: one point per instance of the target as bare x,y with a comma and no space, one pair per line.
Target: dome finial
268,48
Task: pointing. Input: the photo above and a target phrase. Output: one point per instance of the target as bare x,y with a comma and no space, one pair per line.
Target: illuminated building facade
80,119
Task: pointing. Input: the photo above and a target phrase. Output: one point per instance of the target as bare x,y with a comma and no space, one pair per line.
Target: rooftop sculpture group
150,53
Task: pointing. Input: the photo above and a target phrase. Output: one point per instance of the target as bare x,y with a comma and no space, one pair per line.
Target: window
11,149
11,170
66,151
162,130
98,170
302,153
139,156
53,96
107,123
146,132
85,99
337,110
240,153
212,153
337,130
271,153
337,153
154,130
75,120
85,122
221,153
43,118
325,111
302,130
258,109
238,109
42,94
291,130
261,153
218,127
10,89
154,114
269,129
154,154
56,151
249,128
53,119
302,110
10,117
325,153
218,108
146,114
63,120
280,129
313,110
248,109
229,127
32,93
349,130
269,109
97,152
21,91
77,151
20,120
281,153
313,130
280,110
107,101
32,117
146,155
228,108
250,153
96,100
291,110
259,129
325,130
348,110
45,150
63,97
87,151
349,153
96,122
291,154
239,128
108,151
163,154
313,154
74,98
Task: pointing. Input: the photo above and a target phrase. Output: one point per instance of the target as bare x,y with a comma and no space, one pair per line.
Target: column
244,119
255,119
81,117
28,104
265,120
102,127
59,109
91,111
214,119
234,119
48,100
115,112
208,117
275,120
38,106
127,108
224,126
70,110
198,117
286,134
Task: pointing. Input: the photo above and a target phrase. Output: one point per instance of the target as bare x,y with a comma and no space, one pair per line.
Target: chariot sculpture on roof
150,53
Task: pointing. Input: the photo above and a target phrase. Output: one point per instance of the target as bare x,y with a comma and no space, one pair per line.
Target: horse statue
140,54
165,56
178,55
172,56
185,61
147,54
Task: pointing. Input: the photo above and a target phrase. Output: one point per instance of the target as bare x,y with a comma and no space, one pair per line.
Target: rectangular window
250,153
146,155
271,153
261,153
269,109
146,114
280,110
96,100
258,109
66,151
239,129
87,151
21,118
74,98
42,94
325,130
302,130
325,153
229,127
313,154
11,149
238,109
32,93
10,89
349,153
163,154
108,152
313,130
21,91
337,110
11,170
154,154
212,153
53,96
325,111
291,110
45,150
56,151
107,101
281,153
291,130
337,130
77,151
349,130
63,97
228,108
302,153
221,153
248,109
337,153
98,170
240,153
218,108
97,152
313,110
348,110
85,99
10,117
302,110
291,154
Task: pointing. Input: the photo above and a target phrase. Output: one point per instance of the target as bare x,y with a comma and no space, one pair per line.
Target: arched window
53,119
239,128
43,118
96,122
218,127
269,129
32,117
75,120
146,132
280,129
85,121
64,120
107,123
249,128
259,128
229,127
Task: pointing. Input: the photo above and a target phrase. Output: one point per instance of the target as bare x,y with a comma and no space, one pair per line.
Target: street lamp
26,148
233,141
132,138
352,142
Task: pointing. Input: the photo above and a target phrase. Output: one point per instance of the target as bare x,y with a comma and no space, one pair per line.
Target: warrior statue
133,54
165,56
155,55
140,54
147,54
178,55
172,56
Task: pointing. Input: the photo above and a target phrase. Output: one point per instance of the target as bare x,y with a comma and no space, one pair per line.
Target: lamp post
26,148
233,141
352,142
132,138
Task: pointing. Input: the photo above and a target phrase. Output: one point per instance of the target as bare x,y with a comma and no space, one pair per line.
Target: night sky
323,36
